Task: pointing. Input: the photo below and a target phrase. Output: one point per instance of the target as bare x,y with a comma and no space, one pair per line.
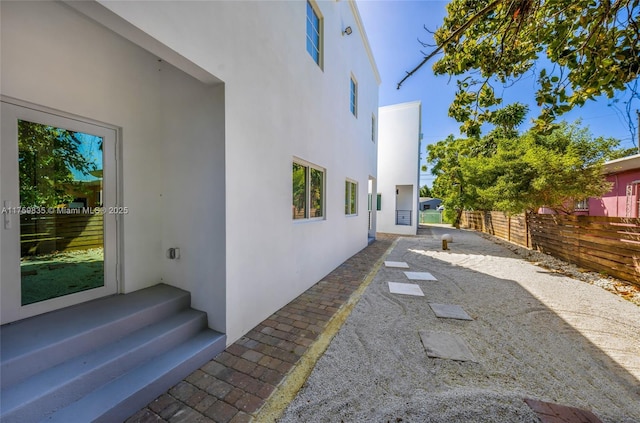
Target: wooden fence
42,234
608,245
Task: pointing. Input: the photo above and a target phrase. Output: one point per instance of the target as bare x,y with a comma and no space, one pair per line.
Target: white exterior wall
398,165
242,255
171,136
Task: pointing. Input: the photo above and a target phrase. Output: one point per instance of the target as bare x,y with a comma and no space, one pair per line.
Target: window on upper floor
350,198
314,33
354,97
373,128
308,191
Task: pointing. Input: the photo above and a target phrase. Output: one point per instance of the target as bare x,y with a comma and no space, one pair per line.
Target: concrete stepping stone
420,276
446,345
449,311
400,264
405,289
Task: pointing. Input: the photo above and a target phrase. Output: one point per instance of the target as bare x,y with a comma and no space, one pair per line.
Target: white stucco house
399,141
241,133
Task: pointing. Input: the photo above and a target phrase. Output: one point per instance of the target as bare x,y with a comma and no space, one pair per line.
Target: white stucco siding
398,164
172,140
279,104
275,104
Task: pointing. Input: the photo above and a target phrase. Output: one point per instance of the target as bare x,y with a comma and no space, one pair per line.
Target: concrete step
69,381
38,343
121,398
102,360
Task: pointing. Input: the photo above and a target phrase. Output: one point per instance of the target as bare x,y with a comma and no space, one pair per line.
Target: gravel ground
619,287
536,334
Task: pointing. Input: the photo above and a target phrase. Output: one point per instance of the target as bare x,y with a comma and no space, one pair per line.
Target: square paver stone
405,289
446,345
449,311
420,276
400,264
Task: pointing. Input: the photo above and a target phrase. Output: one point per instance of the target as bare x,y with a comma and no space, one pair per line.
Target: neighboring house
207,109
624,198
399,168
428,203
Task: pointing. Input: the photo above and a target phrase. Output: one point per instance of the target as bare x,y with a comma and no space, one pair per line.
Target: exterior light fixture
347,31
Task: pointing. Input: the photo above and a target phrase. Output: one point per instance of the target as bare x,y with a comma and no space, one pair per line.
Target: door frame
11,110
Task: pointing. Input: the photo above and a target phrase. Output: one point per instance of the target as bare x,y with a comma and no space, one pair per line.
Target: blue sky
393,28
90,149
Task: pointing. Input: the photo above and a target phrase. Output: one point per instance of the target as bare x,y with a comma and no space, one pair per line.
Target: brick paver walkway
234,386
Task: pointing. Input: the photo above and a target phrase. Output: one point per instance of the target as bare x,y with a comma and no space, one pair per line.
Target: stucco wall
398,164
172,129
278,105
614,203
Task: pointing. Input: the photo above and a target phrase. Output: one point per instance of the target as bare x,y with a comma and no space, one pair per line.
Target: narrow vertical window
299,191
316,192
354,97
373,128
313,33
308,191
350,198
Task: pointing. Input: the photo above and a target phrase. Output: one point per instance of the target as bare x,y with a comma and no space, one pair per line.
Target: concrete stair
102,360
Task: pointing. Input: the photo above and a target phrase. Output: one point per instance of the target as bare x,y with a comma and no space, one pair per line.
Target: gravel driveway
534,334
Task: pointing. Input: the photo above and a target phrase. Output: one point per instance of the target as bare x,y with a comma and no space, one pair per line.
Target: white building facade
212,109
399,168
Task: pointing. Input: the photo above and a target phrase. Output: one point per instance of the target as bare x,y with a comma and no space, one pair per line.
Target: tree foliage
588,48
521,173
46,158
425,191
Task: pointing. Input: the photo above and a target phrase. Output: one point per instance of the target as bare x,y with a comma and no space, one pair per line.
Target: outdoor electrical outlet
173,253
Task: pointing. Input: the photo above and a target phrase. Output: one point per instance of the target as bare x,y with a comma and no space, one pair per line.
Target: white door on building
58,244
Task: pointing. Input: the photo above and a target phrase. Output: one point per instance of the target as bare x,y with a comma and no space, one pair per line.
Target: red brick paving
233,386
549,412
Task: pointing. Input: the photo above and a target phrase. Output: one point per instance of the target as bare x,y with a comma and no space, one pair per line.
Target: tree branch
453,35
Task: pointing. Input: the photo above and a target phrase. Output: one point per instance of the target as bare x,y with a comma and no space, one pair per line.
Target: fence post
526,229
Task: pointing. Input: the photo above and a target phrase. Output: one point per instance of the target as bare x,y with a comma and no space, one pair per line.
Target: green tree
523,173
425,191
46,158
577,50
451,184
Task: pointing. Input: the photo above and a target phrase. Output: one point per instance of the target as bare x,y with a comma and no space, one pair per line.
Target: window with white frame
350,198
308,191
354,97
582,205
314,33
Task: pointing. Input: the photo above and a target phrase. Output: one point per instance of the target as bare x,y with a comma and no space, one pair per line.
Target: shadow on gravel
535,335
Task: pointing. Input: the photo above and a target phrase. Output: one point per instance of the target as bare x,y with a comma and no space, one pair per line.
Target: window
354,97
582,205
350,198
314,33
308,191
373,128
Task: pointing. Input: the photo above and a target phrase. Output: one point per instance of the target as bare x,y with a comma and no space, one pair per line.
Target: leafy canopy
522,173
46,158
576,49
425,191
